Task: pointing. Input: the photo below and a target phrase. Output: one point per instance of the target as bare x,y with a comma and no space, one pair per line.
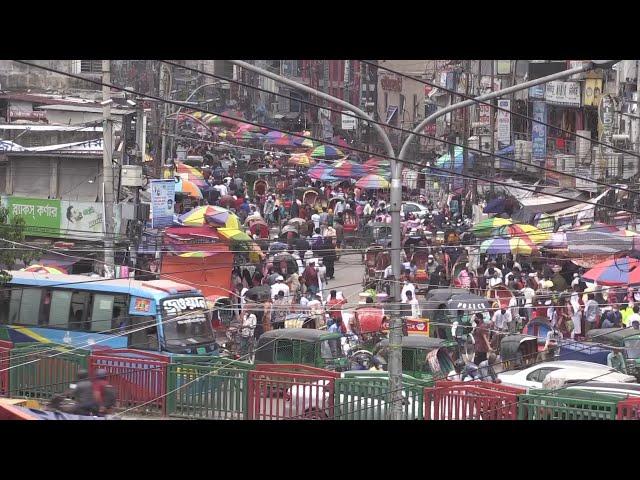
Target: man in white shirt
502,318
415,305
280,286
368,209
249,322
222,188
495,280
315,218
407,287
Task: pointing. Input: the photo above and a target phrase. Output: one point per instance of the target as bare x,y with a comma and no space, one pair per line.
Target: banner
539,132
81,219
606,112
163,194
504,123
348,121
41,215
592,91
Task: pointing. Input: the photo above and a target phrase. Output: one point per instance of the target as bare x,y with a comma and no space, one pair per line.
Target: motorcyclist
95,397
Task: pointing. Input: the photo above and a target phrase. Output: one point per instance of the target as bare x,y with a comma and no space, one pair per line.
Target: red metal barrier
280,395
138,381
629,409
5,355
471,401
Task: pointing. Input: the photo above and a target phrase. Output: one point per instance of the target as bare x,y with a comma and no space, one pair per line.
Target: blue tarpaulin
445,160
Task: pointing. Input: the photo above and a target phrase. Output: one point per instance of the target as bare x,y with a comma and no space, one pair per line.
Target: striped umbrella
485,227
372,182
615,272
598,227
198,216
534,234
515,246
321,171
188,188
327,152
273,136
304,142
301,159
53,270
348,169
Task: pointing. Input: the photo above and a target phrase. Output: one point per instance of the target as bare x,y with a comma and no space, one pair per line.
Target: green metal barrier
206,392
567,405
43,370
366,396
212,361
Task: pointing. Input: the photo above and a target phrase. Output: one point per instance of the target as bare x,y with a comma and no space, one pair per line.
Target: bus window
5,296
79,311
60,307
143,338
45,308
30,306
14,305
102,313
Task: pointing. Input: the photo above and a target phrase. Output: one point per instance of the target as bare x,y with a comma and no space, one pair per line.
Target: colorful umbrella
199,216
515,246
327,152
191,174
627,233
210,119
244,242
347,169
223,218
188,188
517,230
372,181
485,227
615,272
53,270
198,254
272,136
249,128
321,171
301,159
304,142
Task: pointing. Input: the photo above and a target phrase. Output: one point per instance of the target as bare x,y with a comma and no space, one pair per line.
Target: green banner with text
41,215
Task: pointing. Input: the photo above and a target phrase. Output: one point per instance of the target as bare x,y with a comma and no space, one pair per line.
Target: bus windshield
186,323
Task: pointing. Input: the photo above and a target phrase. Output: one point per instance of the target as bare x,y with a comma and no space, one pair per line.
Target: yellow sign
592,92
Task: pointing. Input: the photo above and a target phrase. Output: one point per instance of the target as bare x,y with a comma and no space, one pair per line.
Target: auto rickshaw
422,356
309,195
500,294
628,339
376,260
518,351
377,234
304,346
258,181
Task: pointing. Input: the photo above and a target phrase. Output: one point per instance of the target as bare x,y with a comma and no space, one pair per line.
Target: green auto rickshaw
627,339
304,346
422,356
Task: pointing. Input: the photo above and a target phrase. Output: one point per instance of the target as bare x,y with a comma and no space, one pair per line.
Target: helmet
82,374
101,374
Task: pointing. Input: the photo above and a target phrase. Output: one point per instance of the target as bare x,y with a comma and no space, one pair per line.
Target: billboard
41,215
163,194
81,219
539,132
504,123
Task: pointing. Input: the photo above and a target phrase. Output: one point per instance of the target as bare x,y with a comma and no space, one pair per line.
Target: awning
582,210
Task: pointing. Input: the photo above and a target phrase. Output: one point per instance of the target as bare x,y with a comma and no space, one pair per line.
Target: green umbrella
485,227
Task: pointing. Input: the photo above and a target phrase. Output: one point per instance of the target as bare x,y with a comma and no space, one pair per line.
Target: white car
616,388
420,211
559,373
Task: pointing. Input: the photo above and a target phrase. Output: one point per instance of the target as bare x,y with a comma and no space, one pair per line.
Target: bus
158,315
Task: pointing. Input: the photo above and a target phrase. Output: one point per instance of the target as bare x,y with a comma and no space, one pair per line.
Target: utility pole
492,120
141,144
107,170
638,106
165,89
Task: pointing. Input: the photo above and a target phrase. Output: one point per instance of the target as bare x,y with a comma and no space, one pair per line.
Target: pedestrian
310,277
634,317
329,257
413,303
487,369
502,318
481,338
591,312
279,311
247,330
280,287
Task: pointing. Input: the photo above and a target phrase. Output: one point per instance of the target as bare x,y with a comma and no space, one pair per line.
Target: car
419,210
558,373
622,388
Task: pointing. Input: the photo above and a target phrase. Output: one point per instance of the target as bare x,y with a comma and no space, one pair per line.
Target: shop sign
81,219
563,93
162,202
504,122
592,91
41,215
539,131
391,84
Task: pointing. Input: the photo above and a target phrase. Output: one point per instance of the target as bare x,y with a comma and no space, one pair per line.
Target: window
540,374
14,305
91,66
60,308
79,312
102,312
143,338
29,306
284,351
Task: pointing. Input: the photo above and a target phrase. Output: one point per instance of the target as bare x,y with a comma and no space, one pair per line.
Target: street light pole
395,330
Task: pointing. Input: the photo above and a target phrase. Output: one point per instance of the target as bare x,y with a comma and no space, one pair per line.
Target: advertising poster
41,215
539,132
163,194
504,123
81,219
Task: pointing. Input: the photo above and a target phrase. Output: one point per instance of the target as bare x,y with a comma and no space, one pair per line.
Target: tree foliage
12,232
